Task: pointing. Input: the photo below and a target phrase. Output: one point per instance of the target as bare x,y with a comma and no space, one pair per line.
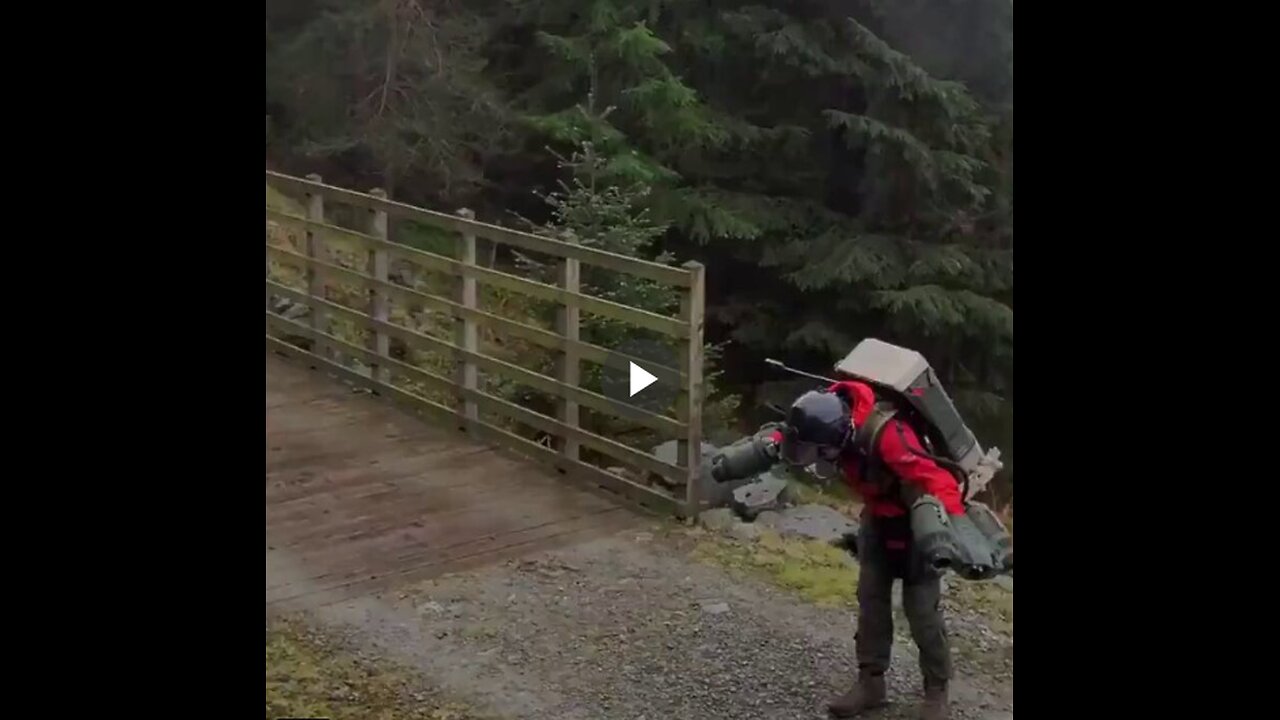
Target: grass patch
815,570
825,575
309,676
989,601
277,200
837,496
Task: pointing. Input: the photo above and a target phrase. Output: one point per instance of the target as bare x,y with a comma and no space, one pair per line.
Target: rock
719,519
766,493
769,519
431,606
715,608
668,452
644,537
712,493
817,522
745,532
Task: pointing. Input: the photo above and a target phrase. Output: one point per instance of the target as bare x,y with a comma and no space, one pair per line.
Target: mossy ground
815,570
823,574
992,603
834,495
308,675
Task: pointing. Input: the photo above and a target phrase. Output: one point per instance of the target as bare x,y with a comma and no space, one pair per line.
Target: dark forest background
843,168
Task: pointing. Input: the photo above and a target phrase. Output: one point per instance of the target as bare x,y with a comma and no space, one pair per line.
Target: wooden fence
468,399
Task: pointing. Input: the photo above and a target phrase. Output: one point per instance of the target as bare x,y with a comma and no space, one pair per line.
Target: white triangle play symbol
640,379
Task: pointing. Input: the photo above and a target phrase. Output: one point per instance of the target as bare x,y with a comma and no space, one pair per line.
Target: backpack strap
867,439
962,478
872,467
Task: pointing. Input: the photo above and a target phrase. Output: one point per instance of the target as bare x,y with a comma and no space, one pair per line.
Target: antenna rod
778,364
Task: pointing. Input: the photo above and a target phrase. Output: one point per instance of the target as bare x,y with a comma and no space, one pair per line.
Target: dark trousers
885,553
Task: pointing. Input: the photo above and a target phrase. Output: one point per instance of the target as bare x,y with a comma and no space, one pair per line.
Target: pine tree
598,73
593,207
834,187
394,89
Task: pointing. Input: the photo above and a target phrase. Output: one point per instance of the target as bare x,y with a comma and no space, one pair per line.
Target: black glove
745,458
847,542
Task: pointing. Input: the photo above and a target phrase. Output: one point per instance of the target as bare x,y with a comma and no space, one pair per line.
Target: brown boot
936,705
867,694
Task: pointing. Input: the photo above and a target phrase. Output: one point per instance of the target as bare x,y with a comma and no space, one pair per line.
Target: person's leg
874,641
922,603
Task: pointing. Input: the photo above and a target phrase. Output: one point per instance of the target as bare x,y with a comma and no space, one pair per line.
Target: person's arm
902,452
749,456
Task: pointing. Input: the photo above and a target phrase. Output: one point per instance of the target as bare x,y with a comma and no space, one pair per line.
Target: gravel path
629,627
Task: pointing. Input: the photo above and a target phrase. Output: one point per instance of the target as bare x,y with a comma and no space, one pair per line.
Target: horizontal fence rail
364,274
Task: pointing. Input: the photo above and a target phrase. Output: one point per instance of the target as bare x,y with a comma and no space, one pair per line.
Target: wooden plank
341,508
379,265
466,335
467,517
538,336
515,238
599,443
617,311
281,460
689,449
336,482
300,491
438,382
327,480
648,498
569,366
533,379
516,412
315,251
331,589
320,227
624,313
642,495
385,514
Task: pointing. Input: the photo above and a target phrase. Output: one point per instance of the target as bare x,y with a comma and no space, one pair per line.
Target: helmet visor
803,454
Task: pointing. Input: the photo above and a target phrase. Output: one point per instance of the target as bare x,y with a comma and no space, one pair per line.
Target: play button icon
640,378
640,373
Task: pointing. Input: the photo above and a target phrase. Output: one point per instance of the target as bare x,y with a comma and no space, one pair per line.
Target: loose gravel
630,627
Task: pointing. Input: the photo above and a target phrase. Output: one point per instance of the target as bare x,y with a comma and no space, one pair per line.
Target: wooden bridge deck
362,496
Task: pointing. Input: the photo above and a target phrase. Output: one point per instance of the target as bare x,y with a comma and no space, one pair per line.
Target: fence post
268,276
380,343
465,335
689,448
315,282
569,366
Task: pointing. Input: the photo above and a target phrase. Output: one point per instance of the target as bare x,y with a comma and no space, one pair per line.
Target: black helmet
818,428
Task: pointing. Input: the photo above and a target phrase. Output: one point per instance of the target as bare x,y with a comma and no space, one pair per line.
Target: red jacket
910,467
